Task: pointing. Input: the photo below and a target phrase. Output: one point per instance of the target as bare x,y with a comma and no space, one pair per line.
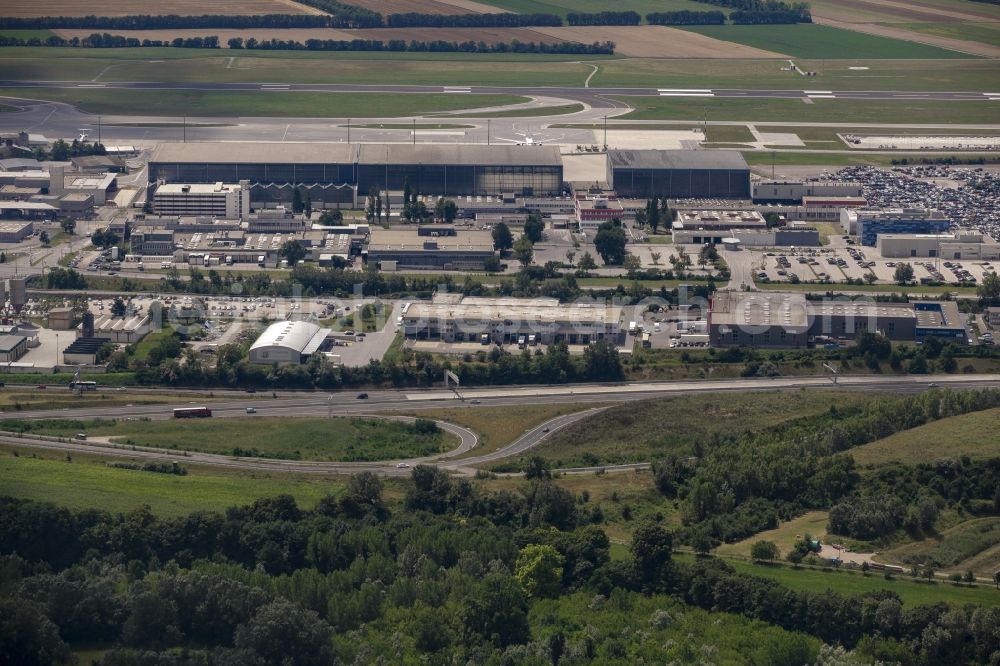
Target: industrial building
287,342
777,319
12,347
84,351
335,174
277,220
679,174
218,199
869,223
959,245
747,226
152,242
121,330
785,192
433,246
454,318
15,232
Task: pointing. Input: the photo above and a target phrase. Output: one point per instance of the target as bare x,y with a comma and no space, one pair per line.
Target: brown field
882,30
427,7
28,8
888,11
876,17
488,35
658,41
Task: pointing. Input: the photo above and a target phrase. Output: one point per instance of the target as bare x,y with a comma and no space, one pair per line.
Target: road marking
818,92
91,85
822,96
274,86
685,92
453,89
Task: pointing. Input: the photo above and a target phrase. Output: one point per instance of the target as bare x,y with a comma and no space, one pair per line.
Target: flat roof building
780,319
960,245
869,223
12,347
287,342
506,320
225,200
679,173
431,247
336,173
792,192
15,232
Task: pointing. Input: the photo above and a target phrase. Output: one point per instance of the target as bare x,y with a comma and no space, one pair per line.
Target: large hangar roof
302,336
224,152
677,159
254,152
460,154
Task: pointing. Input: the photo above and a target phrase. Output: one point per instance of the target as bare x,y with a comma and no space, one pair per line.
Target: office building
869,223
430,247
216,200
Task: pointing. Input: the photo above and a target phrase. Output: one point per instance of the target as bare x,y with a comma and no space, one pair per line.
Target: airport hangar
336,174
679,174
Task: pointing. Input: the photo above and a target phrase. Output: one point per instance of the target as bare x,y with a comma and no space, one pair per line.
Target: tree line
603,18
686,17
106,40
765,11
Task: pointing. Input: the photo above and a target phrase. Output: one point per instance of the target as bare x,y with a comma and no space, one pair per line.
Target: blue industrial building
871,223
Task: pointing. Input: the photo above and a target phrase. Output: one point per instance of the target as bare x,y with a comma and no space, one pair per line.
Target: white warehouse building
287,342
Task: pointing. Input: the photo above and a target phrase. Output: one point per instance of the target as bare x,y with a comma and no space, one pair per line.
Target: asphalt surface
347,403
593,96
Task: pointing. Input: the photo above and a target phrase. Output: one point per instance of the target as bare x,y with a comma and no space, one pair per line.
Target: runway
346,403
593,96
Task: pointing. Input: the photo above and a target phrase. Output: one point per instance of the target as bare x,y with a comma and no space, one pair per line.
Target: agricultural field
820,110
338,439
177,103
91,484
439,7
822,42
954,24
27,8
951,548
973,435
563,7
644,431
657,41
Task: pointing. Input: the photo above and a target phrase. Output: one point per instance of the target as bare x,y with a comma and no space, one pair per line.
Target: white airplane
529,139
84,133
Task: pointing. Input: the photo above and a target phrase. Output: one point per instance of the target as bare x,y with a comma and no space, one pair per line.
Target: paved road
346,403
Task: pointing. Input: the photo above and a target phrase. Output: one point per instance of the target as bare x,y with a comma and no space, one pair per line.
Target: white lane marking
685,94
91,85
454,89
685,90
818,92
822,96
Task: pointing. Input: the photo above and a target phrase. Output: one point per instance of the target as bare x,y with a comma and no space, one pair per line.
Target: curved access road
341,404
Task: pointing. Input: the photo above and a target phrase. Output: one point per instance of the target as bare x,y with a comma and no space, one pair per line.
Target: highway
232,404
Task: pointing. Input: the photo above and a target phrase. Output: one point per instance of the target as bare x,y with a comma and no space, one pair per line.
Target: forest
449,574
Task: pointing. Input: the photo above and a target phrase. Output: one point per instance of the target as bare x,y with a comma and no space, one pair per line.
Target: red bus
192,412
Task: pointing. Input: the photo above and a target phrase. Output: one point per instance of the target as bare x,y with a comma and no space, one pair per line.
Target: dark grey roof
86,345
677,159
221,152
426,153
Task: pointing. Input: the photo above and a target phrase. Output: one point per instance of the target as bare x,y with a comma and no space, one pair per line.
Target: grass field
784,536
340,439
92,484
821,110
855,583
973,435
987,33
728,133
952,547
559,110
239,104
498,426
822,42
767,74
645,432
25,34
